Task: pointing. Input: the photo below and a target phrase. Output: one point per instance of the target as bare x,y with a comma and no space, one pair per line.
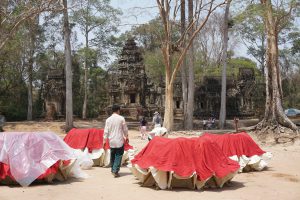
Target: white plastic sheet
30,154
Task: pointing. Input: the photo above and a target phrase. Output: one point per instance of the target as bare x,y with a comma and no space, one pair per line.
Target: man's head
115,109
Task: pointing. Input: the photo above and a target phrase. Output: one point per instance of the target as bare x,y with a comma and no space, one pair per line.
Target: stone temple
131,88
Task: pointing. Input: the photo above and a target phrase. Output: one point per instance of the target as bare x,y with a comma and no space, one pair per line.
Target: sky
137,12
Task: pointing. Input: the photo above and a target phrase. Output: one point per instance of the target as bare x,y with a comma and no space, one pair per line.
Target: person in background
2,122
157,121
143,127
117,132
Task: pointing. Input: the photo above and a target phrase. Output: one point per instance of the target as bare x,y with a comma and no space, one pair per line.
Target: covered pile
29,156
241,148
90,141
183,162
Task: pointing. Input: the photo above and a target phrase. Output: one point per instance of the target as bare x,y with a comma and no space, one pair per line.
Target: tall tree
222,117
184,65
94,16
191,73
68,68
274,19
169,47
249,27
32,25
14,13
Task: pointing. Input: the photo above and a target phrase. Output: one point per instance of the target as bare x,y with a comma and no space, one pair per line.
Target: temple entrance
132,98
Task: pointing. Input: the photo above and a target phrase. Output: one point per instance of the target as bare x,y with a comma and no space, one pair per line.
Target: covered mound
29,156
183,162
90,141
241,148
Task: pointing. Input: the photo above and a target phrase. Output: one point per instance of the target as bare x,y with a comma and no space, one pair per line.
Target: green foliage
233,66
97,22
154,65
97,97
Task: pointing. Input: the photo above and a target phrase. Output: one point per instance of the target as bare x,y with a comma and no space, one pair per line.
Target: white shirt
115,130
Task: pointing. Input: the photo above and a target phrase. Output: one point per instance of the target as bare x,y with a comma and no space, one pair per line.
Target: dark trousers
116,158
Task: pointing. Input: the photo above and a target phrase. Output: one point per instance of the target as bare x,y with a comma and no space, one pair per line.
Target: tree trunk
169,107
30,101
85,91
84,108
183,67
274,114
32,45
222,116
263,55
68,69
191,73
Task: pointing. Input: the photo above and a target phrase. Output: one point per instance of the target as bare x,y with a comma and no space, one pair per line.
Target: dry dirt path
280,181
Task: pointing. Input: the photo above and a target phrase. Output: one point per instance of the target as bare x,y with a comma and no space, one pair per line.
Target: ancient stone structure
244,95
54,94
131,88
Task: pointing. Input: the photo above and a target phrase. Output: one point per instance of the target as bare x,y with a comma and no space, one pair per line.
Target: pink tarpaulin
26,156
89,138
235,144
186,156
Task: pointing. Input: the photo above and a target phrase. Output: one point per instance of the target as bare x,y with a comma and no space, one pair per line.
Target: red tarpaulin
89,138
238,144
184,156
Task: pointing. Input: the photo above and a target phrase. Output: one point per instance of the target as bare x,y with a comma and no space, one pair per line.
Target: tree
170,47
183,70
274,19
98,17
249,26
32,26
14,14
68,68
222,117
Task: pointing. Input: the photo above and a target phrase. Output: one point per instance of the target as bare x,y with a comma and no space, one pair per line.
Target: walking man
117,132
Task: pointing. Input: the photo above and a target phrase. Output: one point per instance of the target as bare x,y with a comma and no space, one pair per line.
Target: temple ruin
54,94
131,88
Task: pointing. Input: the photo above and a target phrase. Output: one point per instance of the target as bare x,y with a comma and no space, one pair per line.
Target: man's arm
125,129
106,132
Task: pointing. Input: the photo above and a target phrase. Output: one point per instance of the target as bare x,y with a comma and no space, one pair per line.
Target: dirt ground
280,181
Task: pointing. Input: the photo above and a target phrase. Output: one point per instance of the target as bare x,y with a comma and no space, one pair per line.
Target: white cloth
158,131
115,130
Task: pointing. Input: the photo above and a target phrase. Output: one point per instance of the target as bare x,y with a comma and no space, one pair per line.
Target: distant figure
117,132
2,121
204,124
157,121
143,127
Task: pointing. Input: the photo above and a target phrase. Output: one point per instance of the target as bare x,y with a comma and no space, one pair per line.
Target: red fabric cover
185,156
235,144
5,170
77,138
90,138
82,138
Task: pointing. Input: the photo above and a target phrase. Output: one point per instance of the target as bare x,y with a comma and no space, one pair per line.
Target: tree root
273,133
